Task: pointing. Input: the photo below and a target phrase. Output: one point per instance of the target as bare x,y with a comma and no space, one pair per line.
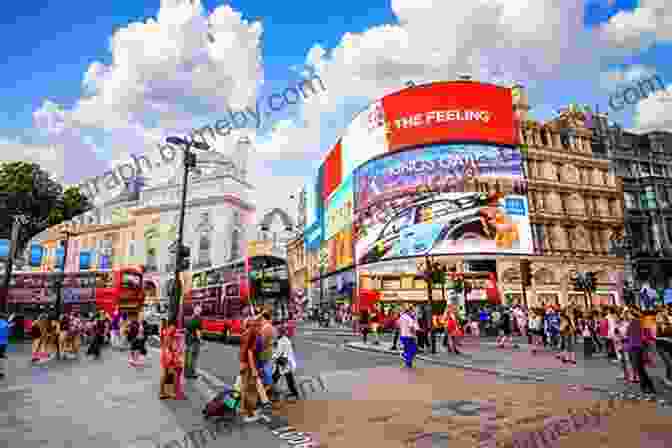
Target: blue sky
48,48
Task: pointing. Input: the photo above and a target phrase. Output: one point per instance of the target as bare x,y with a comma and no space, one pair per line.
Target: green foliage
42,200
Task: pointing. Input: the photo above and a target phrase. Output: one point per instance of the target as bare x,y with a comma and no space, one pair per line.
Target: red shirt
248,344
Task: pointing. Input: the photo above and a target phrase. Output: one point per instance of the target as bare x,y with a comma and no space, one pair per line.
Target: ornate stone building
576,208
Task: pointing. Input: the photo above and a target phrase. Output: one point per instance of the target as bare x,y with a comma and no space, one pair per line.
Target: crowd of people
62,337
627,335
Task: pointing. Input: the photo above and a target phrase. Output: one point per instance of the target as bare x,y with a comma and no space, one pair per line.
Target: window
657,170
650,197
538,238
204,249
131,248
235,244
629,200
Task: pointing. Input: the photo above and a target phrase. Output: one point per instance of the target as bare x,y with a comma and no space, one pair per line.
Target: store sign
339,209
36,254
4,248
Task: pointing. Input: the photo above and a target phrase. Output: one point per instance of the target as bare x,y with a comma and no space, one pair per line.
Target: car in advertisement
448,223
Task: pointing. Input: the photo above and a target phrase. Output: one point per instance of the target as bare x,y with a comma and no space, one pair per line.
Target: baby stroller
225,405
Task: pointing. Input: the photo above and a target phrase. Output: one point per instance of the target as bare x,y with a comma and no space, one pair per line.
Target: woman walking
452,331
135,341
567,332
98,339
505,330
408,326
285,362
169,361
115,335
536,324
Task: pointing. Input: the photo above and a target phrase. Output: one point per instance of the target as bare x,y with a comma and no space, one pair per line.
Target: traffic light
591,282
525,273
184,258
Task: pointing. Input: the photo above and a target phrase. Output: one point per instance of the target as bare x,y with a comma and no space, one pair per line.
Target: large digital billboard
314,230
441,200
339,248
332,171
365,138
449,111
338,212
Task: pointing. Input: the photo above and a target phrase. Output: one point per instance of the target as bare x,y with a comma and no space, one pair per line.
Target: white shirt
285,349
408,325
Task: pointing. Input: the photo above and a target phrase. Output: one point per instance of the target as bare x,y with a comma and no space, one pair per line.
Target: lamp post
18,221
67,232
182,253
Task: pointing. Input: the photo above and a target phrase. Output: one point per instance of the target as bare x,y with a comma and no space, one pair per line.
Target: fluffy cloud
650,22
183,68
48,157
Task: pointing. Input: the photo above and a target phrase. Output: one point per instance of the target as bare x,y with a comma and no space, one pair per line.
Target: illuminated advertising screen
340,250
338,212
364,139
449,111
332,171
314,231
448,199
433,169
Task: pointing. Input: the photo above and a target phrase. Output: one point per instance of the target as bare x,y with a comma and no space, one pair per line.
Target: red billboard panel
333,171
450,111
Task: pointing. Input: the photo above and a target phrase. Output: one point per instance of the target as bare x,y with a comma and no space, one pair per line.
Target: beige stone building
576,205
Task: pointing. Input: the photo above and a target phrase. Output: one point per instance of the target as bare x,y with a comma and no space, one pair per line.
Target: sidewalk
102,403
436,406
596,372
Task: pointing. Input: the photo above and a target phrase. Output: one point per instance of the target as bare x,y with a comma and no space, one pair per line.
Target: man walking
193,340
248,372
408,326
265,355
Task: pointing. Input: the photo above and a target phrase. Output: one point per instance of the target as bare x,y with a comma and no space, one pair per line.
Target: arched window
235,236
205,240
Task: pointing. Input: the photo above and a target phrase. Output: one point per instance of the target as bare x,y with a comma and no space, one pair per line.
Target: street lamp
66,231
182,253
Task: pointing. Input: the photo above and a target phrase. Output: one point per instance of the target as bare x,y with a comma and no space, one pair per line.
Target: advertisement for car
403,208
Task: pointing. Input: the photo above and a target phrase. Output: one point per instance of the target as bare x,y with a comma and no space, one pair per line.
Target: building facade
645,164
139,227
576,212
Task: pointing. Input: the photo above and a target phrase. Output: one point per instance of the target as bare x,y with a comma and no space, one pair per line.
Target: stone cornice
580,159
213,200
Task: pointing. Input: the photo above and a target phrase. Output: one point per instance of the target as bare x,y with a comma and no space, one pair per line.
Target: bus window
198,280
131,280
232,291
214,278
104,280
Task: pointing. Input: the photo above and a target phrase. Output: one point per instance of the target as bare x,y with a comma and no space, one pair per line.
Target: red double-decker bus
33,293
225,293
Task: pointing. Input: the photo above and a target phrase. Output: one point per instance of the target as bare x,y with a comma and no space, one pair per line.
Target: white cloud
641,27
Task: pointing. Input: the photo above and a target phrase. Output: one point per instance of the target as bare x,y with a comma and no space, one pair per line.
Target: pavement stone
102,403
595,372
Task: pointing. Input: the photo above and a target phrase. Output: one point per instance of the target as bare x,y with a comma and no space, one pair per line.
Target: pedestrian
285,363
451,330
375,322
265,356
98,339
620,336
664,343
536,326
64,342
169,360
36,336
123,331
134,342
505,330
193,340
248,372
115,335
364,323
567,331
636,346
395,318
5,325
408,326
53,333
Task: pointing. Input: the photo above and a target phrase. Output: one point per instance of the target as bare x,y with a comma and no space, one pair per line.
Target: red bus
33,293
224,293
122,289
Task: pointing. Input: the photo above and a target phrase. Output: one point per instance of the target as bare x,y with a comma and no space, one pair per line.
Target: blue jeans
266,372
410,349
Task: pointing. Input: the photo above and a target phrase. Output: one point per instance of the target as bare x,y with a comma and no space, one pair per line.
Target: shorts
265,372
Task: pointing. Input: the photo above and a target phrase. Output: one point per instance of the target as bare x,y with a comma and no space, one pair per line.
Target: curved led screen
447,199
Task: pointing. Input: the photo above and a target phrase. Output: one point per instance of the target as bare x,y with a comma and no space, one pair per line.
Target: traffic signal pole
16,226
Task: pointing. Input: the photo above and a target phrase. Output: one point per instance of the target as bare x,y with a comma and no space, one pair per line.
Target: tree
29,190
